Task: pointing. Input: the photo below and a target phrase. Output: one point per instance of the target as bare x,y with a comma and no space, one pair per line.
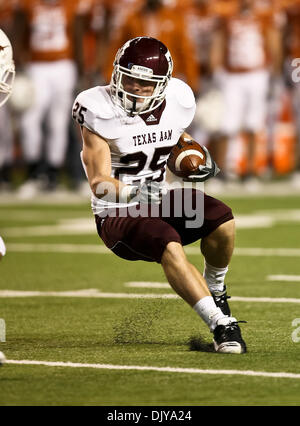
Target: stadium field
84,327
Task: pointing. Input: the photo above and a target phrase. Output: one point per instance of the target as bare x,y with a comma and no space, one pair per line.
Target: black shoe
228,338
220,298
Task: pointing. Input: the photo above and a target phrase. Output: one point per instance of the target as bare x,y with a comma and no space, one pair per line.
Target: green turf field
53,251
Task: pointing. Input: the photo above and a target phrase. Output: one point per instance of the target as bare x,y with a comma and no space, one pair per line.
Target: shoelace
222,297
222,294
232,325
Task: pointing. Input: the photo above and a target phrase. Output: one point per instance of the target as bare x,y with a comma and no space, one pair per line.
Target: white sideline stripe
289,278
281,375
94,293
100,249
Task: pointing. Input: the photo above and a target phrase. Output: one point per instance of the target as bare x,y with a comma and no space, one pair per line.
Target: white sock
215,277
209,312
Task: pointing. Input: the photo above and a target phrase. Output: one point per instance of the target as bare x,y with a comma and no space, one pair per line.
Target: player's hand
150,193
209,170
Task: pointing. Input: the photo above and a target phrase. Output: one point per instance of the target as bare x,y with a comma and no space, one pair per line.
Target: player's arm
97,161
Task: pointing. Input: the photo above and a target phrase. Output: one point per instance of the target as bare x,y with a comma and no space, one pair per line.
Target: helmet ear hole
148,60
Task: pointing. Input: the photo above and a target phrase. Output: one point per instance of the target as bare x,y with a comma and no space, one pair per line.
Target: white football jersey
139,145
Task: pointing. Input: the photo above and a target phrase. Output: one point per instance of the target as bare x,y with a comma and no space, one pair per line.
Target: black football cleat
228,338
220,298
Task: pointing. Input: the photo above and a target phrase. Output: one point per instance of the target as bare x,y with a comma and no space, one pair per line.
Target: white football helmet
7,68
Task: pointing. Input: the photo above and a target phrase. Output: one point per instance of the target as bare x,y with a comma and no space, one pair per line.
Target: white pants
6,136
245,101
54,84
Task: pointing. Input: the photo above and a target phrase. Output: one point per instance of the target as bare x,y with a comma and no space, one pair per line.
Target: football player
7,76
47,47
247,51
292,55
128,129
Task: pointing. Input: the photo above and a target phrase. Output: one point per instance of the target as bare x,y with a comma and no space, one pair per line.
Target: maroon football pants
145,238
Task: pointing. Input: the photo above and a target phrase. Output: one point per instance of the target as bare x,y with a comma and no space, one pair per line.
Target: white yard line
280,375
280,252
64,227
101,249
58,248
97,294
89,293
288,278
265,299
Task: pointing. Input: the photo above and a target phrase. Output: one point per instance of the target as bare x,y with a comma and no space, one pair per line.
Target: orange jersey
224,8
51,27
167,26
245,37
287,3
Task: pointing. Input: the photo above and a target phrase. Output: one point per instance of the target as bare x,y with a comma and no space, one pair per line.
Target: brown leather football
185,158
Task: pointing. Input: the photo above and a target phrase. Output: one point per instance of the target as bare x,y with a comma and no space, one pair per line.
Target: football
185,158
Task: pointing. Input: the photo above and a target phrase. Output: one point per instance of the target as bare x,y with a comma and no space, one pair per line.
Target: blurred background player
7,75
247,49
202,20
202,23
6,126
291,47
49,50
92,36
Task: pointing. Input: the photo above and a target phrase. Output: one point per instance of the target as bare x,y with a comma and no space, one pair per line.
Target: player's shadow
197,343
